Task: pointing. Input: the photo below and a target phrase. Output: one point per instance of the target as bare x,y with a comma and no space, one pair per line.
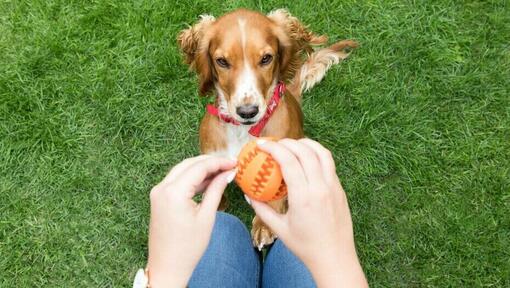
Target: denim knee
283,269
230,259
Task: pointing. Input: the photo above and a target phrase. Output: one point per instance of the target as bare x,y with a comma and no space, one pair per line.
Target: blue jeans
231,261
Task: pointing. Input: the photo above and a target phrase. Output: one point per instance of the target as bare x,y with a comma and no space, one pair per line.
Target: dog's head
243,55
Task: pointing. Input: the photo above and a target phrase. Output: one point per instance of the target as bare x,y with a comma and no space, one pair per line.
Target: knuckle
305,140
327,154
212,161
316,143
154,193
288,143
309,141
285,160
185,162
286,140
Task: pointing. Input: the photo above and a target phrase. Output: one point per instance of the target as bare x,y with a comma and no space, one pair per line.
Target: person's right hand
317,226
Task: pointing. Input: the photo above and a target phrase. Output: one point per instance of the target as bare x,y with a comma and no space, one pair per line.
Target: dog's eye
222,62
266,59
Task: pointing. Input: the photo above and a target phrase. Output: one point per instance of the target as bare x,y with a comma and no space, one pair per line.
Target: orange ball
259,175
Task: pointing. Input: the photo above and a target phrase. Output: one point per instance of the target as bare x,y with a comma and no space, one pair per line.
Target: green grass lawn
96,105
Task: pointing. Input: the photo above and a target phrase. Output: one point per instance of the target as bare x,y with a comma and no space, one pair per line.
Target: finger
204,185
325,158
206,182
292,171
270,217
307,158
183,165
191,179
212,196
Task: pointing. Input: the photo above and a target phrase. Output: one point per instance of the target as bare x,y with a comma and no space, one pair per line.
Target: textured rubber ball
259,175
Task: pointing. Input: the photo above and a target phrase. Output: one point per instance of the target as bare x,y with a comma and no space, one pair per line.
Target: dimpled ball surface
258,175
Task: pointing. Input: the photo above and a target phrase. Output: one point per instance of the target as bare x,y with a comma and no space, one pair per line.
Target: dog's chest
237,137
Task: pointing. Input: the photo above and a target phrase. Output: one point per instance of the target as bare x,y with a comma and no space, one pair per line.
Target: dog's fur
230,56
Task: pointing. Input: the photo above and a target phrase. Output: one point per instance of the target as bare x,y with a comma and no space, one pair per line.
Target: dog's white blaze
246,88
242,25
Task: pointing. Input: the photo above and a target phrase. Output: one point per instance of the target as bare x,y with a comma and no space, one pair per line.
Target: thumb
212,196
273,219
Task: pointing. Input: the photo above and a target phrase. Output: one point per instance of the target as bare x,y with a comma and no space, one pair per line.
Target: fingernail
231,176
261,141
247,199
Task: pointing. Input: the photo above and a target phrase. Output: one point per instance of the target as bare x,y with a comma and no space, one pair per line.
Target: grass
96,105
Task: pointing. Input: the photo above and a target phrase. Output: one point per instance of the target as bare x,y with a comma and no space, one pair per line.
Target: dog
258,66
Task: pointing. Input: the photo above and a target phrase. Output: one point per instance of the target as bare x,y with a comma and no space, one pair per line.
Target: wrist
337,268
143,279
167,269
162,276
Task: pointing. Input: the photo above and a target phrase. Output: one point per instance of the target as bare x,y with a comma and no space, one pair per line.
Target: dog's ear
190,40
299,33
288,57
203,67
295,40
194,45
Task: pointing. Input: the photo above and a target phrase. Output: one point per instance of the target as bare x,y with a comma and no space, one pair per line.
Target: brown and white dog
243,57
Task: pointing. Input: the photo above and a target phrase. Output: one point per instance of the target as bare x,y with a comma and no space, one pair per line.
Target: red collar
256,129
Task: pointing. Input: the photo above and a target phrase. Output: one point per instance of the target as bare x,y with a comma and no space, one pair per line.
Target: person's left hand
180,229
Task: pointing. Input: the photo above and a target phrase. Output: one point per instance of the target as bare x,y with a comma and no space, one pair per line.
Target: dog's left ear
295,39
299,33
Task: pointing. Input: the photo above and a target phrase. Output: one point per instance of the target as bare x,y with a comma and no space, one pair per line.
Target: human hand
180,229
317,226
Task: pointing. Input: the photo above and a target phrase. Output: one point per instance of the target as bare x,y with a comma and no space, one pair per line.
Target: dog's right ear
190,40
195,48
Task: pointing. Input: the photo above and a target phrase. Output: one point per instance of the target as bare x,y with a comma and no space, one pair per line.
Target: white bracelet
141,279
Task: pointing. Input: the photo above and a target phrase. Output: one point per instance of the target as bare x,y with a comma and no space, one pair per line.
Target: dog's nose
247,111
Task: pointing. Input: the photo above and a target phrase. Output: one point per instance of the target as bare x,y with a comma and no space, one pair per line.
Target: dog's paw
261,234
